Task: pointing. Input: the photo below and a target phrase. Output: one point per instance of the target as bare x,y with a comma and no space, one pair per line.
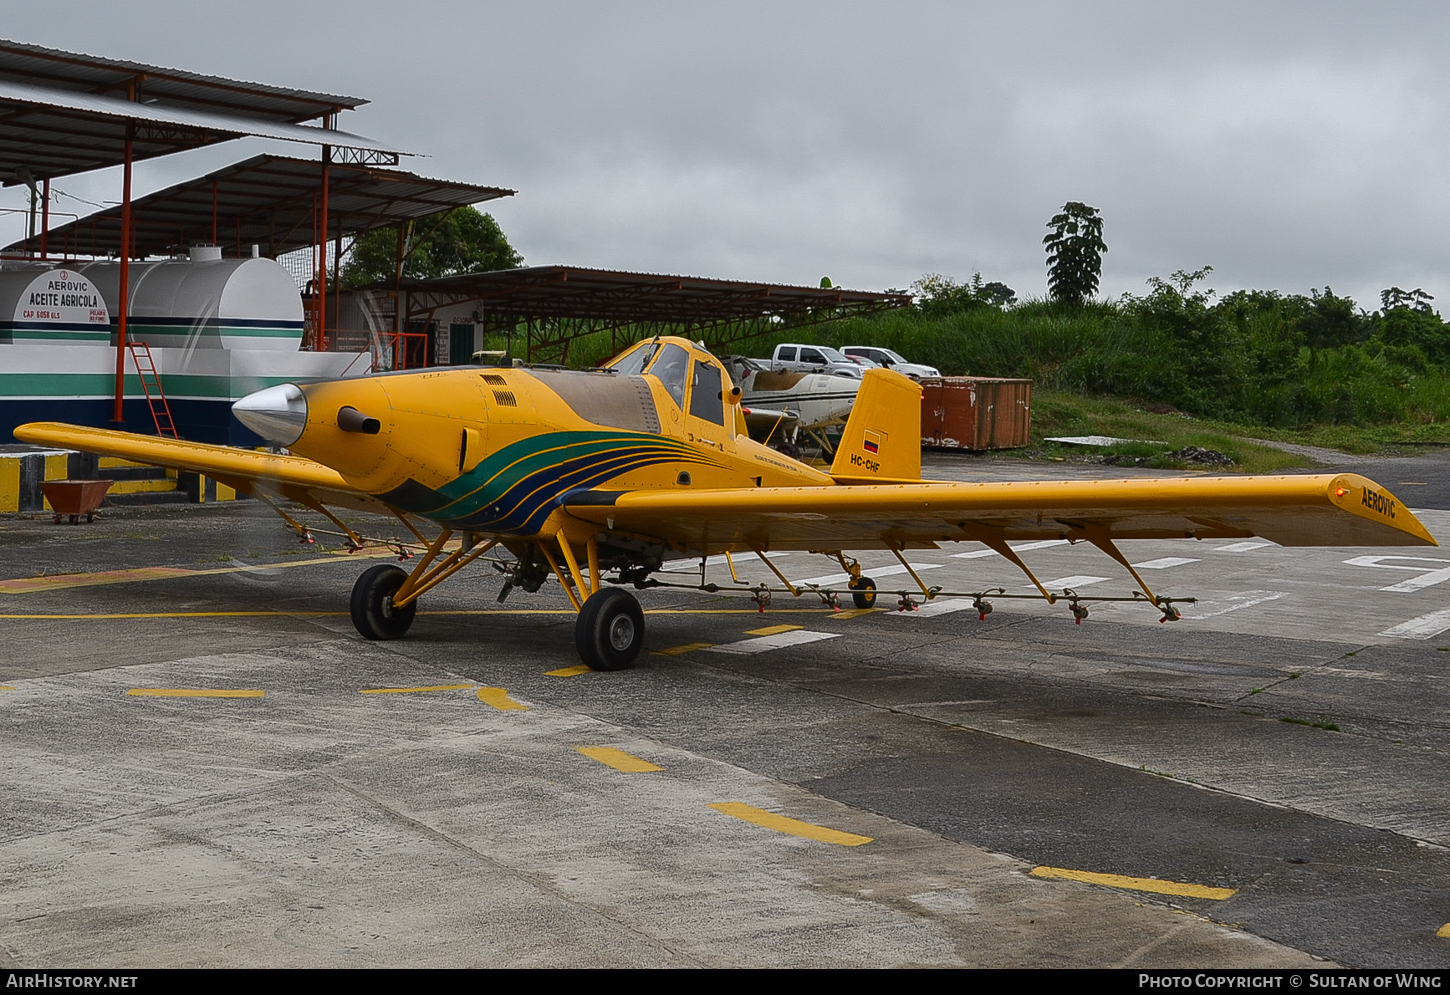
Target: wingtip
1364,497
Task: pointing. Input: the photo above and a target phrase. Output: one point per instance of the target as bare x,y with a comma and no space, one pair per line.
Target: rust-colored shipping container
975,412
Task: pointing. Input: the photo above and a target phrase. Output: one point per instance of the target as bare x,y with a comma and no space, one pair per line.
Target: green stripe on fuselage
498,474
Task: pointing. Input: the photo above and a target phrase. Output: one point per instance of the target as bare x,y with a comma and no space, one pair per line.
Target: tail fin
882,439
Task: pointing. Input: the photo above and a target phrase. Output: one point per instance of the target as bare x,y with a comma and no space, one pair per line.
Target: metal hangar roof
266,200
63,112
616,296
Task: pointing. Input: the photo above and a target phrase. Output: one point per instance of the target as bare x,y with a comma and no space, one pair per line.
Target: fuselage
496,450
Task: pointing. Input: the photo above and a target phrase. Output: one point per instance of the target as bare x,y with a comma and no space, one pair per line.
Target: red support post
124,293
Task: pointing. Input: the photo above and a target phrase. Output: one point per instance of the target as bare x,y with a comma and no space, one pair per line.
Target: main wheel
610,630
373,613
863,593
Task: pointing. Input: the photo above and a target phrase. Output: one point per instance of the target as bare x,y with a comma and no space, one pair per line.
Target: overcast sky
1290,146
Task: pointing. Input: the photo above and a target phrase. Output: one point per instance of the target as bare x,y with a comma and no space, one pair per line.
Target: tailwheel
610,630
863,592
373,613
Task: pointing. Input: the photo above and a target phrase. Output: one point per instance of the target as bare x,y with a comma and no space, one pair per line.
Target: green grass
1240,373
1389,439
1058,413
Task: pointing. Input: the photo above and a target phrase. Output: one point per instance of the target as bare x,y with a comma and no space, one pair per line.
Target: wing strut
1000,547
354,541
304,534
1165,605
766,560
930,592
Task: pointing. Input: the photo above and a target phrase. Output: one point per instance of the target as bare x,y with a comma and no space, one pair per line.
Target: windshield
672,368
633,361
832,355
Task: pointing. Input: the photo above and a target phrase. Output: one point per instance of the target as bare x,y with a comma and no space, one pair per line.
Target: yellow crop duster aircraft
584,474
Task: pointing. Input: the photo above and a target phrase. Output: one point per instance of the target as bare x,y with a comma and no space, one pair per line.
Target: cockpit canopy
689,374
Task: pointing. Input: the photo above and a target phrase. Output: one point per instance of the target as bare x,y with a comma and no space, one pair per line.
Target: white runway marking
1244,599
1427,579
1163,563
760,644
1244,547
1421,628
873,572
1074,582
941,606
977,554
692,566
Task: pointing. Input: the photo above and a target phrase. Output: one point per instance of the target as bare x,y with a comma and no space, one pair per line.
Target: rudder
882,438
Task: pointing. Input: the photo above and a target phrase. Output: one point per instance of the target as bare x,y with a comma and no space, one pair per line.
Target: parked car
892,361
792,356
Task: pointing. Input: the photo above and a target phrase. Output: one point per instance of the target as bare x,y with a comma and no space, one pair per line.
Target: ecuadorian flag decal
873,442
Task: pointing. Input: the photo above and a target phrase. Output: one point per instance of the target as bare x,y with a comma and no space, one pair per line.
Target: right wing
1323,510
249,472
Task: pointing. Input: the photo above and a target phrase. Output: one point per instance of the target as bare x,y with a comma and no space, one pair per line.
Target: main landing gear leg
863,589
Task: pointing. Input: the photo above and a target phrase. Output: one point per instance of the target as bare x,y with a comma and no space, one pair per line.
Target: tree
1075,250
462,241
1409,321
938,294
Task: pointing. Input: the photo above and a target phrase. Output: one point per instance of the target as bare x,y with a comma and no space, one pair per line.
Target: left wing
291,477
1325,510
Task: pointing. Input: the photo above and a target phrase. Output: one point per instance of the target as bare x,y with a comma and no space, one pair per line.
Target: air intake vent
505,398
495,380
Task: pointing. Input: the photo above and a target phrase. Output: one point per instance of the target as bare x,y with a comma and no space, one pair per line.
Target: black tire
610,631
863,593
373,614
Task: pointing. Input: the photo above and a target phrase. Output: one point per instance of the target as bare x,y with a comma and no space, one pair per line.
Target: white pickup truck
891,360
815,359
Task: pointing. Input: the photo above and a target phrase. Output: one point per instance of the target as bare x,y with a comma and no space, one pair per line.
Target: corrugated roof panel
267,200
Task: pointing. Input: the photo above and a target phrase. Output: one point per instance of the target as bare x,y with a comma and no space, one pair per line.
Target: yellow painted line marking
499,698
436,687
686,648
771,630
792,827
618,759
573,671
28,585
194,693
851,613
1444,931
6,687
59,581
647,611
78,618
1154,885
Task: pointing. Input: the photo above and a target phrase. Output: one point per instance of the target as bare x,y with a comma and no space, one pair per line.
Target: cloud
1289,147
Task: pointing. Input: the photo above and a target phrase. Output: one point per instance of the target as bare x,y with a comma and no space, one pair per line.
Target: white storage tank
48,304
206,302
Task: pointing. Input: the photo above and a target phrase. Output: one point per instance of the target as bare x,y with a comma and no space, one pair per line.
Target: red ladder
151,385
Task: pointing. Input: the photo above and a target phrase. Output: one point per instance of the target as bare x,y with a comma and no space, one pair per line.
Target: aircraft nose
278,414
